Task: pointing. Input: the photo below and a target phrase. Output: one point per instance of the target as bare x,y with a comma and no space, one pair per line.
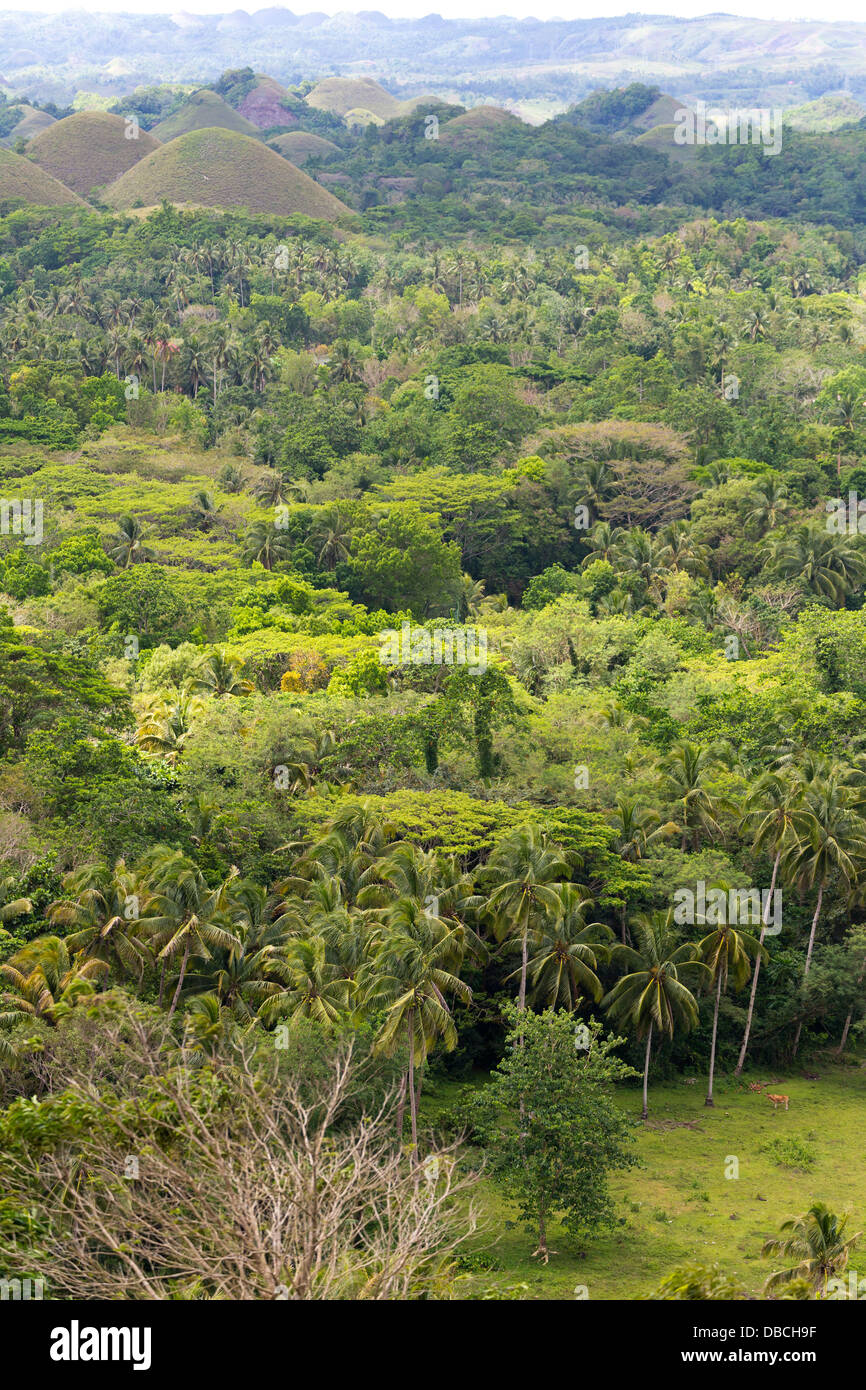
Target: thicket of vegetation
241,838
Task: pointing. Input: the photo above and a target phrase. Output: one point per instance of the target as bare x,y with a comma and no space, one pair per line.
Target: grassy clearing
679,1206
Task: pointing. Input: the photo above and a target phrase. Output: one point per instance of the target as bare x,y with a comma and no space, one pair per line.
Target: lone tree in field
554,1159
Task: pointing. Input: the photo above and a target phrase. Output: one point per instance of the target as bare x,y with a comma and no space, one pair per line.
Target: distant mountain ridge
49,56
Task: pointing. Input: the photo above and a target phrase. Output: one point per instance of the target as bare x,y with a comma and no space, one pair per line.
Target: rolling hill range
203,110
755,61
220,168
301,145
21,179
89,150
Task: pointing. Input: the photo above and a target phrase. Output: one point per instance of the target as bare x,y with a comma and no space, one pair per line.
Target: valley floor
679,1207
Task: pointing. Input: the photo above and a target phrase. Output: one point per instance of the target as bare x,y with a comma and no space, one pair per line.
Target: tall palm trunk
809,957
401,1109
413,1103
709,1100
180,979
764,920
649,1043
418,1088
521,1000
844,1038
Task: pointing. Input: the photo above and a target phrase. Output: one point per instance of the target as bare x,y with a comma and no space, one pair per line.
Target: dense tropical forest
432,693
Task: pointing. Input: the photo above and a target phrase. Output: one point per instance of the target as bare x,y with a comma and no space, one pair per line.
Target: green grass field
678,1206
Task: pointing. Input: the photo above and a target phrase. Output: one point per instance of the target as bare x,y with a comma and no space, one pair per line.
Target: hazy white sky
462,9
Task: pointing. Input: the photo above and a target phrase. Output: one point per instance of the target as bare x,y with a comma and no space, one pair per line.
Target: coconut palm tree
816,1244
833,840
315,987
637,829
768,504
336,539
204,510
44,981
185,917
164,349
345,363
231,479
104,904
525,869
568,952
655,993
219,351
267,545
686,769
167,724
603,541
207,1026
10,907
680,551
195,364
128,548
830,565
595,483
772,816
470,597
219,674
413,970
271,489
844,414
727,952
641,554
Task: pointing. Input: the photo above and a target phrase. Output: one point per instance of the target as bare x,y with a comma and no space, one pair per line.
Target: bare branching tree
236,1183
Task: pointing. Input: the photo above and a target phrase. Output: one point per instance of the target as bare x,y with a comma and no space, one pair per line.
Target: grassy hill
21,179
361,116
204,110
354,95
829,112
481,121
30,123
219,168
344,94
263,105
661,139
626,112
662,111
89,149
300,145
